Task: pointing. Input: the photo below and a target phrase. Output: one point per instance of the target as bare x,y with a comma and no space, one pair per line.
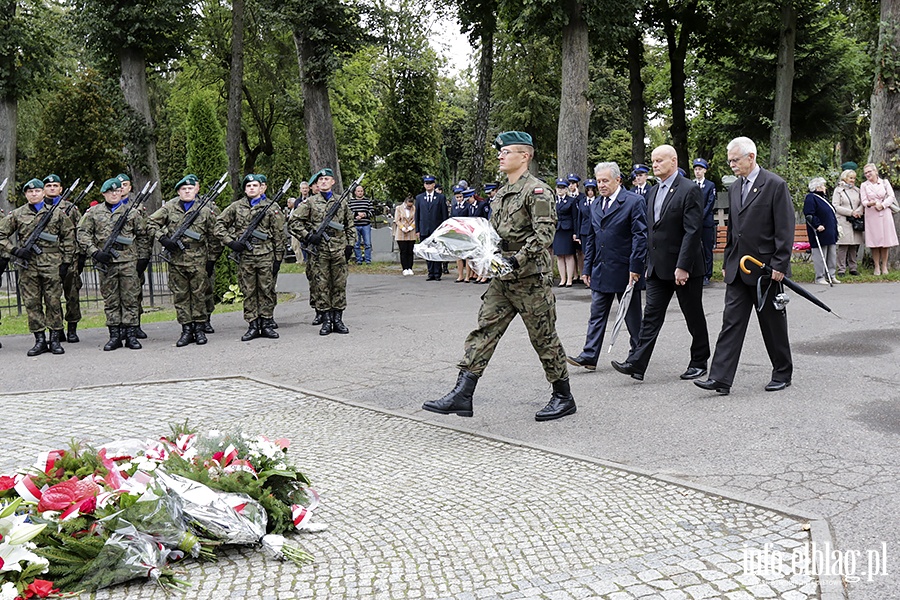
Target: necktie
745,189
660,196
606,203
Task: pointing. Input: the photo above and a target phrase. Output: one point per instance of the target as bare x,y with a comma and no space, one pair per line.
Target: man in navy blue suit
708,193
431,211
615,249
674,266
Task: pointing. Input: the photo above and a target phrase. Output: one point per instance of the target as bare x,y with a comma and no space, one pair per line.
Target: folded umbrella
787,282
821,252
624,301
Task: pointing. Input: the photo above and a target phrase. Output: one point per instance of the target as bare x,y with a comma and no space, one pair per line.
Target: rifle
80,197
116,237
184,230
251,231
330,214
38,232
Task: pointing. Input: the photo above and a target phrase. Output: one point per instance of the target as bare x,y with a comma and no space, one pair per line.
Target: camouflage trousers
120,287
210,292
257,284
41,290
189,285
329,280
315,296
533,299
71,286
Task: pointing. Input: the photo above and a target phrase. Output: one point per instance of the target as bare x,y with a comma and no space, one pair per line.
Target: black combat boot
72,334
252,331
131,341
327,325
561,402
199,334
187,335
266,328
273,323
207,327
115,339
459,400
320,318
337,322
40,344
139,333
55,339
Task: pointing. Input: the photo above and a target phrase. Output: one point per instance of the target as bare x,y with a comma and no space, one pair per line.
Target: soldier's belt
511,246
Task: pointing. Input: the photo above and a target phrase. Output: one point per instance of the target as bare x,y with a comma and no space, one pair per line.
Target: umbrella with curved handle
787,282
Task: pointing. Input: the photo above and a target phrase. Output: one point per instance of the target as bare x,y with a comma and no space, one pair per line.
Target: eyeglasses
506,152
734,161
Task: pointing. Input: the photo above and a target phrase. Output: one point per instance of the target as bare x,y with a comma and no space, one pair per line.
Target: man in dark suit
639,176
674,265
761,224
431,211
615,247
708,192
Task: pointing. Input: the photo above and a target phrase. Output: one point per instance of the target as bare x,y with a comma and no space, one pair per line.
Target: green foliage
79,134
225,287
206,156
615,148
26,59
233,295
355,108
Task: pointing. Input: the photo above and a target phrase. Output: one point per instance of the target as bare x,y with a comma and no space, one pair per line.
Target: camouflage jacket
524,215
96,226
233,221
143,242
168,218
22,222
307,217
72,211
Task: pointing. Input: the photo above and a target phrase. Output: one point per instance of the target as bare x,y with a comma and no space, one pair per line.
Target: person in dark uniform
761,224
564,240
583,214
578,196
708,193
639,175
431,211
71,283
460,208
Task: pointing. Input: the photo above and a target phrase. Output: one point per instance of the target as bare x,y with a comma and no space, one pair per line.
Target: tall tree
137,34
635,48
206,156
780,140
235,84
885,124
574,107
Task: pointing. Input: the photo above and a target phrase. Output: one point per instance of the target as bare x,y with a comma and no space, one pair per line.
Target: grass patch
376,268
14,324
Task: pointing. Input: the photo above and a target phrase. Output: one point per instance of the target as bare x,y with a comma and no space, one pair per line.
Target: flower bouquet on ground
468,238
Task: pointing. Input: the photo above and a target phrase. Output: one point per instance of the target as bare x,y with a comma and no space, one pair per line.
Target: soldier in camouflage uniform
143,246
119,285
327,258
40,282
187,269
72,283
260,260
524,215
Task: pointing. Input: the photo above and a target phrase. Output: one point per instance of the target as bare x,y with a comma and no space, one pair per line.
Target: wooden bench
800,238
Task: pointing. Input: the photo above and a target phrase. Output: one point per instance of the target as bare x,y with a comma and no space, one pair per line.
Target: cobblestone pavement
422,511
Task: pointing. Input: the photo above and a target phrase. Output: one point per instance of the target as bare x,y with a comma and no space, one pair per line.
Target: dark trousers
406,253
601,303
435,268
690,299
740,300
709,243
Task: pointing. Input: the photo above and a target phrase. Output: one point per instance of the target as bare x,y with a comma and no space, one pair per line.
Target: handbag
857,223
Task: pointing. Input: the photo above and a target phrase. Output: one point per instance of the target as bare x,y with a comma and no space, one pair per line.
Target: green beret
320,173
511,138
110,185
250,177
849,166
52,179
34,184
186,180
123,177
261,178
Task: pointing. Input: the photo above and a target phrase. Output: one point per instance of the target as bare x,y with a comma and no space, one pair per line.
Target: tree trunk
8,119
574,108
317,118
482,113
885,120
677,45
235,81
142,160
636,102
780,140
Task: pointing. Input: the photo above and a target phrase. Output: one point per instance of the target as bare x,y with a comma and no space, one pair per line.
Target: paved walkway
829,446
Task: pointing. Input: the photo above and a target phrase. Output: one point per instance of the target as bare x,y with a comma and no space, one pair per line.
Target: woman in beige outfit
846,204
405,232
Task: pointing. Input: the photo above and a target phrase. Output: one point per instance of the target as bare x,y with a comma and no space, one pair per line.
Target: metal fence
156,287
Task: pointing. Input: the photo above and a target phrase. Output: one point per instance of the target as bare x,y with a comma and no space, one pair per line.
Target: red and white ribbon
301,514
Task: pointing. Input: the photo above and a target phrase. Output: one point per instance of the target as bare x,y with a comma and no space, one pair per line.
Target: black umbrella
809,221
791,284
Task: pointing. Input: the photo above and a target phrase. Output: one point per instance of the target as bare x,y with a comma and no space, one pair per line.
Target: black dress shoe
627,368
777,386
581,362
693,373
712,384
854,273
430,278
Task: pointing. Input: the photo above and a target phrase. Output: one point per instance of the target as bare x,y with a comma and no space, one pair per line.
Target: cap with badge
428,178
701,162
110,185
262,178
513,138
639,168
468,193
52,179
186,180
490,187
33,184
590,183
123,177
458,189
313,179
562,183
573,178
